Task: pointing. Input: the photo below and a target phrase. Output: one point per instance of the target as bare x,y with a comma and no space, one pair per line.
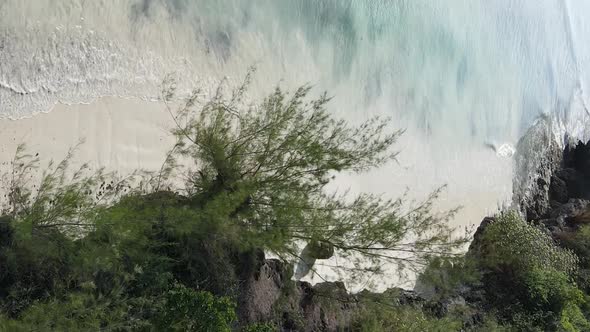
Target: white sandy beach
119,134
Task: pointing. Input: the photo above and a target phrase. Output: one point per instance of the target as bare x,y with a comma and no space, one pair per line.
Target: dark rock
552,189
445,306
558,190
320,250
547,176
573,207
394,297
578,157
475,246
327,307
576,182
407,297
268,294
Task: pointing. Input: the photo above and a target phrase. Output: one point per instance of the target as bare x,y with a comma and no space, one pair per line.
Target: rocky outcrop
267,294
557,199
260,291
551,184
552,189
567,195
537,158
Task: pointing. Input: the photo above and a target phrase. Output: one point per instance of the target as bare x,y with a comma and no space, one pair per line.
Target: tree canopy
263,168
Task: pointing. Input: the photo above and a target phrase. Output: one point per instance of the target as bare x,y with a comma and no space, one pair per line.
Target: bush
34,267
554,292
529,279
379,318
78,311
188,310
444,277
260,327
512,243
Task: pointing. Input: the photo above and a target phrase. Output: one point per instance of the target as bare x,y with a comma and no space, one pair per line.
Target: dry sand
120,134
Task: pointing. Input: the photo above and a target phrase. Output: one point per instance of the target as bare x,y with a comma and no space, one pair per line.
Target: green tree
259,173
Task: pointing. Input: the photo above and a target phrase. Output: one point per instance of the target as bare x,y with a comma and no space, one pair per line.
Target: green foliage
443,277
579,242
78,312
381,318
529,279
512,243
33,269
553,291
573,319
261,327
58,197
259,174
189,310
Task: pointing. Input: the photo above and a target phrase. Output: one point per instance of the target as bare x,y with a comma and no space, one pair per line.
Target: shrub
260,327
529,279
553,291
512,243
380,317
188,310
444,277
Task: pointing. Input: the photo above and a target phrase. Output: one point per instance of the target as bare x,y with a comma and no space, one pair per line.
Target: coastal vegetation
183,248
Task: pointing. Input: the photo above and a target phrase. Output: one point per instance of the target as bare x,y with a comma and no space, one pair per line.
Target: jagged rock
475,245
576,183
268,294
569,192
555,195
313,251
407,297
394,297
548,177
538,156
558,192
572,208
327,306
260,291
578,157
